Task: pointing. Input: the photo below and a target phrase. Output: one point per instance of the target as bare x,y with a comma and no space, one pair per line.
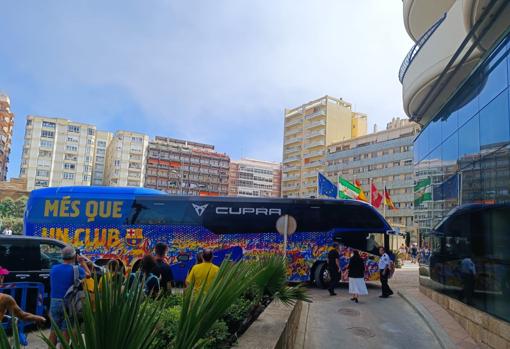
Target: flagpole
370,188
317,190
384,201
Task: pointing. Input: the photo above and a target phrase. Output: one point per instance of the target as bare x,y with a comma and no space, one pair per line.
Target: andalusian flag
422,191
347,190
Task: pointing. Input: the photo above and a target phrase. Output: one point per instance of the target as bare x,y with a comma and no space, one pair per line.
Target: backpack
146,290
73,299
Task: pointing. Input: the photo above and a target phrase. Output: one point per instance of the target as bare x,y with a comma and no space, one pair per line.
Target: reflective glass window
493,77
450,152
494,121
449,124
469,141
434,133
466,102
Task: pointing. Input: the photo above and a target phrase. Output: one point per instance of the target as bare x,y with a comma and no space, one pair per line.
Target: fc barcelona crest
134,237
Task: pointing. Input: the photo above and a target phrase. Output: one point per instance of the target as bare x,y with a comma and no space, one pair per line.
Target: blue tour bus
125,224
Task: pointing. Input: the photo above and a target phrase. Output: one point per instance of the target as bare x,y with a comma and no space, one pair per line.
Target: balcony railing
290,177
293,140
292,158
292,149
314,164
291,168
313,153
314,144
417,47
317,113
316,133
293,122
316,123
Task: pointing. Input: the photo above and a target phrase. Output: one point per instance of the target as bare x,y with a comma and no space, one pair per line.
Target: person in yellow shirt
203,274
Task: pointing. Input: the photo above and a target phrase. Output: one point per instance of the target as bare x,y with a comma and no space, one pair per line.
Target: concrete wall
487,330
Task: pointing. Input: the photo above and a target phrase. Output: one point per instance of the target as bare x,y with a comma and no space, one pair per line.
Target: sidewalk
406,281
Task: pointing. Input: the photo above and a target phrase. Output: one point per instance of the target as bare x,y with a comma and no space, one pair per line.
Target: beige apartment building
57,152
125,159
385,159
309,129
103,140
183,167
254,178
6,125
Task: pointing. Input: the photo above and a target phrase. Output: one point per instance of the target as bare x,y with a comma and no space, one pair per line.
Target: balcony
419,15
310,174
291,150
446,54
290,186
313,153
294,112
293,140
291,168
321,112
315,144
292,158
320,123
291,177
293,122
313,164
292,132
309,184
315,133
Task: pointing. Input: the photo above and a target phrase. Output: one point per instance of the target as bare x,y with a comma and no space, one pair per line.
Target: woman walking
357,285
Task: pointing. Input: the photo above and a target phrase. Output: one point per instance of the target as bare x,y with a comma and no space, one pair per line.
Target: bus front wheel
322,277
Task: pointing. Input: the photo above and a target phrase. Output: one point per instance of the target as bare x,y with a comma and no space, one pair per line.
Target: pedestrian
384,272
61,279
203,274
151,281
163,270
357,286
468,275
414,253
8,304
402,251
334,267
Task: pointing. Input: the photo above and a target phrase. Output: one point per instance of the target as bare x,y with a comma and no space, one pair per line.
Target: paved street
337,322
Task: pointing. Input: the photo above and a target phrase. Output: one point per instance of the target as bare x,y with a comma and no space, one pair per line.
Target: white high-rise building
103,140
57,152
125,159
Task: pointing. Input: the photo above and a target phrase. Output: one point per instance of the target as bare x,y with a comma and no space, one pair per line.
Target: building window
41,183
45,153
47,134
70,157
68,175
69,166
90,131
45,124
71,148
46,144
101,144
73,129
42,173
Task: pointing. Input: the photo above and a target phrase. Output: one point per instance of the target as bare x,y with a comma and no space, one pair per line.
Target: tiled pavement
406,279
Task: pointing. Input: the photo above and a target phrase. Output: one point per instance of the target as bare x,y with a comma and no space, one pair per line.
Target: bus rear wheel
321,276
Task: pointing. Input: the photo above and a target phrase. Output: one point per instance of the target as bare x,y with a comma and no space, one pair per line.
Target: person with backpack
65,282
147,276
385,271
163,270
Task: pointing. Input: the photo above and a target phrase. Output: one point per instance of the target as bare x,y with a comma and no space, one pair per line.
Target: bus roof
94,190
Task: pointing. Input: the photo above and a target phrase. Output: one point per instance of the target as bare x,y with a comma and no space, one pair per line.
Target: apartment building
103,140
6,125
125,159
309,129
455,82
384,158
186,168
254,178
57,152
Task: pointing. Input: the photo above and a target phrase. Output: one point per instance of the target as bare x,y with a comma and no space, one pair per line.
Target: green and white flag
347,190
423,191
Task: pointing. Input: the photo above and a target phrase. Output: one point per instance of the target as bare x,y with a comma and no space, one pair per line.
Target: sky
219,72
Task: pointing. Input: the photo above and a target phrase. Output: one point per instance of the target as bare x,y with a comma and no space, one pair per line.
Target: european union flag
326,187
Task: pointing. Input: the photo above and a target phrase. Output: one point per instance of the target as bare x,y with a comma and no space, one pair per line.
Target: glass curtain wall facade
462,191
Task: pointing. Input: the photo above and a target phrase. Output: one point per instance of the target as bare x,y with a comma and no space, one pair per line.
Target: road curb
438,332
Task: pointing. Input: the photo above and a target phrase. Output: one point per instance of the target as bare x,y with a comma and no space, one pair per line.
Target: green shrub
237,313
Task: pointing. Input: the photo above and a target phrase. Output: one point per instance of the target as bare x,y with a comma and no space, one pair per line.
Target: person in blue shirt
61,278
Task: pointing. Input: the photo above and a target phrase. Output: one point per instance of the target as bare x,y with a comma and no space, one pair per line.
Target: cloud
212,71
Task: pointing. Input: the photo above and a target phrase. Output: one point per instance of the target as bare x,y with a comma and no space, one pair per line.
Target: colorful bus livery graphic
126,223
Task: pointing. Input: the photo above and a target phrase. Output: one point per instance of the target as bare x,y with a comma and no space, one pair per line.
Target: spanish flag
387,200
361,195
